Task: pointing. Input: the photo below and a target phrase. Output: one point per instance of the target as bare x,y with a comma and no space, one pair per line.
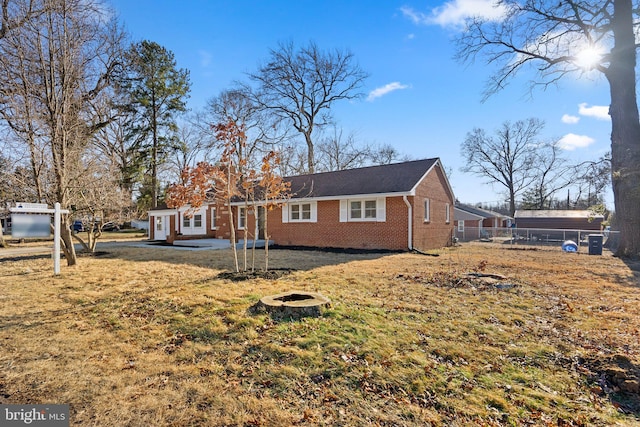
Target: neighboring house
400,206
472,222
558,219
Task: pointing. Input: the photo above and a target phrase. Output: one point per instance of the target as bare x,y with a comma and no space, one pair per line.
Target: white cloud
414,16
205,58
454,12
600,112
569,119
571,141
383,90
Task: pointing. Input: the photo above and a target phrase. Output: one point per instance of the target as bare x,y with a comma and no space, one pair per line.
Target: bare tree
98,198
386,154
52,68
551,172
302,85
337,152
593,178
262,128
15,13
507,159
558,37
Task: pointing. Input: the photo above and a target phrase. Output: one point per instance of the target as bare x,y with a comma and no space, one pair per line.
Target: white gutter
410,218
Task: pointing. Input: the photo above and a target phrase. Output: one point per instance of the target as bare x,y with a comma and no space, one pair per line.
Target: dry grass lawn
151,337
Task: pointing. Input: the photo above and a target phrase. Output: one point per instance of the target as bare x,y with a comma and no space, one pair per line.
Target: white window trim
194,220
345,209
213,219
287,211
461,225
447,213
427,210
240,209
191,228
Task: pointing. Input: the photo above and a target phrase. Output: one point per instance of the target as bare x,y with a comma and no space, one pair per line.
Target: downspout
410,221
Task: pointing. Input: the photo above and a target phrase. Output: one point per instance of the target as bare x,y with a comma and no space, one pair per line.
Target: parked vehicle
77,226
110,226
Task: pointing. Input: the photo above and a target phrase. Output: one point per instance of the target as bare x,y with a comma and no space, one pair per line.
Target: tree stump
293,304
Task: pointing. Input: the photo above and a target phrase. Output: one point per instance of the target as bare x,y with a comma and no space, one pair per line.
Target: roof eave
446,180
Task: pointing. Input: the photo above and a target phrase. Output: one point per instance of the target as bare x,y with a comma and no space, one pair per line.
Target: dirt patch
84,254
273,274
617,378
472,280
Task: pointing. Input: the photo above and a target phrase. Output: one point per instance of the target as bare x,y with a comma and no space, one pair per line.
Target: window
356,210
295,212
447,213
427,210
197,221
370,209
159,223
363,210
366,209
186,221
242,218
213,218
300,212
461,225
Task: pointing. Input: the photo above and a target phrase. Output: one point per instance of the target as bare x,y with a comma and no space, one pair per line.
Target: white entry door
161,227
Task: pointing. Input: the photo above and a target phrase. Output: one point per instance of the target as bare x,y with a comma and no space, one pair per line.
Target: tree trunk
266,238
67,242
512,201
154,157
3,244
625,134
310,152
233,238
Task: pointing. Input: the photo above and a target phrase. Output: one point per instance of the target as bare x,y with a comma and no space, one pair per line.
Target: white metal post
56,239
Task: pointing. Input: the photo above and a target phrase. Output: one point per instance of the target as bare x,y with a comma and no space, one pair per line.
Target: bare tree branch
302,85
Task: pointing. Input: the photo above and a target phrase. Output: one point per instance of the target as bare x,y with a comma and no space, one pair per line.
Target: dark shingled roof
480,212
393,178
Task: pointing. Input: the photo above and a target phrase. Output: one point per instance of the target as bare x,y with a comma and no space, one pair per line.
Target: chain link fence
534,236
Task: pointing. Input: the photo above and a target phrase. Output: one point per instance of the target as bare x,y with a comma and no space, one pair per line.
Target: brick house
475,223
400,206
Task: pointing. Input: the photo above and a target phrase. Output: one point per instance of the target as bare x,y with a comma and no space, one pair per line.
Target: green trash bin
595,244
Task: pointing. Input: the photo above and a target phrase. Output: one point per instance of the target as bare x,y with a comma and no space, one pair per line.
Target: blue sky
417,98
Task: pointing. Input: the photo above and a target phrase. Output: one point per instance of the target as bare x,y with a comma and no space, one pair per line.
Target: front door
161,227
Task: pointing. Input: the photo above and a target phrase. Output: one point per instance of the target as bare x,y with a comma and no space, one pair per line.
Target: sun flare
589,57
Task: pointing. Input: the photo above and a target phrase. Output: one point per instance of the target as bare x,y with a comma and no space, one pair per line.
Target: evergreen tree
157,92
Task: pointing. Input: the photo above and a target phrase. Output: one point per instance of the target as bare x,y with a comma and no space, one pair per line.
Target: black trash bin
595,244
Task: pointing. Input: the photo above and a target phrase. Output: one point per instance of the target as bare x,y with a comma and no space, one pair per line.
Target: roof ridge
432,159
